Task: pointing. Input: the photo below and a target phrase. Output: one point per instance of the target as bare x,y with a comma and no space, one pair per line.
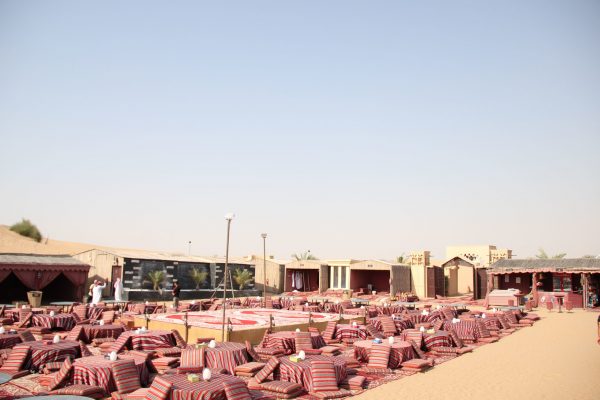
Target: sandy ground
557,358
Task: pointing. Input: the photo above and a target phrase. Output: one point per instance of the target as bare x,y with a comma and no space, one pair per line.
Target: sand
557,358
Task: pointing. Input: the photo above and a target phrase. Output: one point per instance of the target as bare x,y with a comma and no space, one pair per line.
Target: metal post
264,236
229,218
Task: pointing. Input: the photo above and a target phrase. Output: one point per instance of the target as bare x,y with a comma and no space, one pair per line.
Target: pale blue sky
353,129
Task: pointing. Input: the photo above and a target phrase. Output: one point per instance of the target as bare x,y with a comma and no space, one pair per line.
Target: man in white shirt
97,293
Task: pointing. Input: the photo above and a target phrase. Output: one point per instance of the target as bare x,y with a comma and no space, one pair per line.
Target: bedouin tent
36,272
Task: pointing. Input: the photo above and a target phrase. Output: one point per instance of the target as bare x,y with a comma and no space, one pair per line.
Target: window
562,283
506,278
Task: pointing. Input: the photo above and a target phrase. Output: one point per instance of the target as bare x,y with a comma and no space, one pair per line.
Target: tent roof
41,262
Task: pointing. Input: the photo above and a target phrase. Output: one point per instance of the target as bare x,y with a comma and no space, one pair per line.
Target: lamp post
264,237
228,217
189,247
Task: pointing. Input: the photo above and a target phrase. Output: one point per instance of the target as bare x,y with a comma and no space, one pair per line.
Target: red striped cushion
355,382
388,325
437,325
333,394
303,341
27,336
159,390
417,349
75,333
16,359
62,375
108,317
126,376
323,375
179,339
379,356
511,317
192,358
281,387
85,351
169,352
119,344
373,332
250,367
483,331
237,390
80,390
456,339
80,311
329,330
251,352
267,370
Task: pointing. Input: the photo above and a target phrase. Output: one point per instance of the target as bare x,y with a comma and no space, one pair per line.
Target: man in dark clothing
176,290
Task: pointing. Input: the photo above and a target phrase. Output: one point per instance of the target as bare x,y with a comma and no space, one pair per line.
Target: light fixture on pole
264,236
189,247
228,217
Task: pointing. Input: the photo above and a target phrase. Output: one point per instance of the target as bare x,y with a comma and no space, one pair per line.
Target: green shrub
27,229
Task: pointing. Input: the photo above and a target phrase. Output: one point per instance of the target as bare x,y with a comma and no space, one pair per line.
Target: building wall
487,254
417,273
275,275
459,275
101,264
401,279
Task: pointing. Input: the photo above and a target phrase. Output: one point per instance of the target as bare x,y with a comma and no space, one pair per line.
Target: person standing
91,290
175,291
118,290
97,292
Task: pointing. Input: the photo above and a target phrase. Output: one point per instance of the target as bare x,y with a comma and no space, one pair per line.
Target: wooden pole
225,281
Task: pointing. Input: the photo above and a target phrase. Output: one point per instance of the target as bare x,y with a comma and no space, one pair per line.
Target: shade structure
36,272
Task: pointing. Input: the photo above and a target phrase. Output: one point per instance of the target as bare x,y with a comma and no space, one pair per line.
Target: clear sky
353,129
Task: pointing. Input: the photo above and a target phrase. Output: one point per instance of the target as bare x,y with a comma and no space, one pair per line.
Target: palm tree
304,256
400,259
156,277
242,277
544,256
198,276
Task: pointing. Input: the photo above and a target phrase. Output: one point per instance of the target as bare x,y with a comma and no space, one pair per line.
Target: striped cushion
333,394
250,367
169,352
448,313
80,311
85,351
62,375
303,341
75,333
52,366
444,350
417,349
323,376
16,359
251,352
373,332
27,336
80,390
144,355
119,344
281,387
388,325
236,390
329,330
267,370
126,376
510,316
379,356
457,340
179,339
192,359
108,317
159,390
416,364
482,330
437,325
355,382
383,371
165,362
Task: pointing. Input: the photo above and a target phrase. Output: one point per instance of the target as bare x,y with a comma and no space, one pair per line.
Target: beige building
381,276
306,276
275,272
339,273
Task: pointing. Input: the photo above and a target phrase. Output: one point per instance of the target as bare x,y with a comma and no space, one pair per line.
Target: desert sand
557,358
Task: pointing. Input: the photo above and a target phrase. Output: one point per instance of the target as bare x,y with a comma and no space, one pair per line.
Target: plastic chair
568,306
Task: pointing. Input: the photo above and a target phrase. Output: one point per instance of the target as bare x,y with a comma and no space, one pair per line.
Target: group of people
96,288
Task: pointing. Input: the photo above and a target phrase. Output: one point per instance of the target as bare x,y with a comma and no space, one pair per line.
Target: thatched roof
574,265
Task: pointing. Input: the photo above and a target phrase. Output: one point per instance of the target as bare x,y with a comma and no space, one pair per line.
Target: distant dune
11,242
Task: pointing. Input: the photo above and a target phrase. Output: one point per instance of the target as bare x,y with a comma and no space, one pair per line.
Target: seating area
97,352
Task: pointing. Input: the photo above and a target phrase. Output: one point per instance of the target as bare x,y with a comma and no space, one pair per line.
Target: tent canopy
37,271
